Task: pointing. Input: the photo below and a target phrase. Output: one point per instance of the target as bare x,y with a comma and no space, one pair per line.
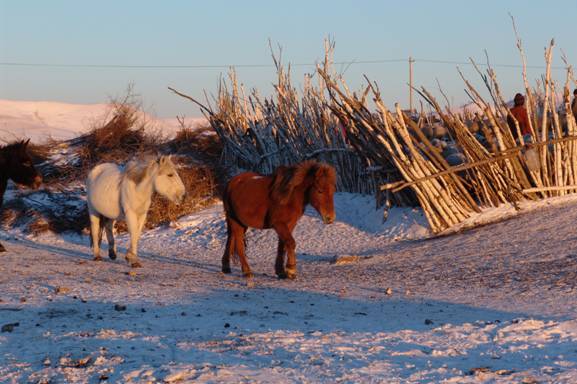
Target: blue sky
218,32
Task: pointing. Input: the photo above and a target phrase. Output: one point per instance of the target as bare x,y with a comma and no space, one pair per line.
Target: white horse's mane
136,170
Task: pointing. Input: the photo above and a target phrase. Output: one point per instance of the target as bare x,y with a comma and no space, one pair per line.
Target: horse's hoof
281,275
248,275
291,273
135,264
112,254
226,270
97,258
2,249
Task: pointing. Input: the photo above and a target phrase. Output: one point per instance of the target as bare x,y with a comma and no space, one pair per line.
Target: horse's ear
164,159
23,147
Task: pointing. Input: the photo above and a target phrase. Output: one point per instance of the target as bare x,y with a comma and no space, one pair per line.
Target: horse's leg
229,250
109,227
279,264
141,222
95,235
133,224
238,233
285,236
3,184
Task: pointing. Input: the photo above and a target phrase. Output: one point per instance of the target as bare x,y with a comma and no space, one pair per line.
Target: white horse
114,193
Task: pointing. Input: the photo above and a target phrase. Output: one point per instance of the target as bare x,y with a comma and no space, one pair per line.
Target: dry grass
122,133
205,146
202,143
123,136
199,182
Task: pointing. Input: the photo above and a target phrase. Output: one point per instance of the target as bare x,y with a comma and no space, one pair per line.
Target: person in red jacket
520,113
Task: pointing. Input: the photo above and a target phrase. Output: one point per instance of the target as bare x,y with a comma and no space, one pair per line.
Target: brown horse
277,201
16,164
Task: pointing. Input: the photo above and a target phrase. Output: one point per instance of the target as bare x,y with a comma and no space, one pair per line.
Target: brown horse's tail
225,200
230,215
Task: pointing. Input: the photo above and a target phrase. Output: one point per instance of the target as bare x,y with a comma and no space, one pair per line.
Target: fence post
411,61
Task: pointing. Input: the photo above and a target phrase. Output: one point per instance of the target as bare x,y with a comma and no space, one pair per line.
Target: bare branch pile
260,134
496,169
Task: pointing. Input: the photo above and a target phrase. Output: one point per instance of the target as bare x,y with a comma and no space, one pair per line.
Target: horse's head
167,181
322,190
19,166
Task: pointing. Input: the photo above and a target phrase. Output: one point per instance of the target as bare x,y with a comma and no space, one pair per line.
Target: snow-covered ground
42,120
373,302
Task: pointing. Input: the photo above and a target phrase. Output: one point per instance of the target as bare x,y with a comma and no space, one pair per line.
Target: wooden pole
411,61
548,189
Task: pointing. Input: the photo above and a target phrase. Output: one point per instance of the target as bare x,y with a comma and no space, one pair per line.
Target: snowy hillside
40,120
372,303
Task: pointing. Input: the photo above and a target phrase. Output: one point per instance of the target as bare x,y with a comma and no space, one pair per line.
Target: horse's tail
231,215
101,224
228,216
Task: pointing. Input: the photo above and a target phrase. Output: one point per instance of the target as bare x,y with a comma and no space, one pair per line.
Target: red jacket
520,114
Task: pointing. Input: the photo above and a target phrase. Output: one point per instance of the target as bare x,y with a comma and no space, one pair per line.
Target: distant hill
40,120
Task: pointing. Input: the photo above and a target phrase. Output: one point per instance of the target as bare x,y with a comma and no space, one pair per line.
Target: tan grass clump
199,182
202,143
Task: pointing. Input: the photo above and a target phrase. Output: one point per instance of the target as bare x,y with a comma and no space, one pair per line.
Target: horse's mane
136,170
286,179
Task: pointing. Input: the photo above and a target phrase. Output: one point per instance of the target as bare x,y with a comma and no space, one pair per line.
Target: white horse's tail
101,222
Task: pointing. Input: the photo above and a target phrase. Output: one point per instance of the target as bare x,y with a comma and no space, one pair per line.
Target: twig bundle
260,134
503,173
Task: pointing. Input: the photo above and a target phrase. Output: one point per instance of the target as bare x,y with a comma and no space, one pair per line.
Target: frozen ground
493,304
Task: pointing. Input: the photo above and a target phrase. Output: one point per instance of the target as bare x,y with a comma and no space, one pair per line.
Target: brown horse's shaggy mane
286,179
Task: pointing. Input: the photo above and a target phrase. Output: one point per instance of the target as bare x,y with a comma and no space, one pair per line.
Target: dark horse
16,164
277,201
